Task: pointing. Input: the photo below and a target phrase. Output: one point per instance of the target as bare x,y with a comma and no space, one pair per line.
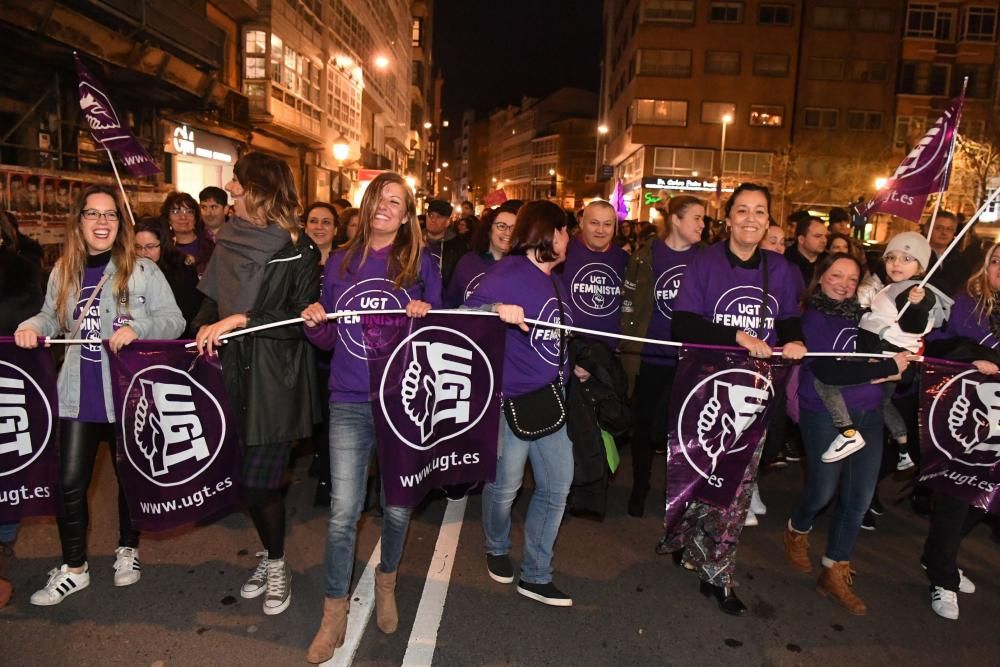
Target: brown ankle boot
387,618
797,549
836,581
331,632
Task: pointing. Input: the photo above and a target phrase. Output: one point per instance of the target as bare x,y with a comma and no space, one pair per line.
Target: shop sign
183,140
685,184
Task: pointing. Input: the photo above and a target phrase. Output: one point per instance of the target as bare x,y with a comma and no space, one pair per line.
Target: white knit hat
912,244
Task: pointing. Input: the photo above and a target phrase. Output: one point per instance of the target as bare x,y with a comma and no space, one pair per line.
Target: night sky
491,53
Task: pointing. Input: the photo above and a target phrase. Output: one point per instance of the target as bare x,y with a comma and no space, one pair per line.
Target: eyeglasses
181,210
503,227
899,258
93,215
149,247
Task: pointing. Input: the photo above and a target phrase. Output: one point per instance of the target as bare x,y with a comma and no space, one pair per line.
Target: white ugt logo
13,418
437,373
173,421
718,431
974,428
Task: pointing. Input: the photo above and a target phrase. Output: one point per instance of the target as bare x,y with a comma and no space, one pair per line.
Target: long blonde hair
269,191
978,287
404,258
71,263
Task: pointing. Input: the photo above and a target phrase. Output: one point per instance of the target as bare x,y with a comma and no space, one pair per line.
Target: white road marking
423,638
362,604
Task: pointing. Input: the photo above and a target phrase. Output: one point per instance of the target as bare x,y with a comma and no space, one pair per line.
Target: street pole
722,165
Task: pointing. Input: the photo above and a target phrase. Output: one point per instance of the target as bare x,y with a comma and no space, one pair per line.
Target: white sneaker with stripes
128,569
61,584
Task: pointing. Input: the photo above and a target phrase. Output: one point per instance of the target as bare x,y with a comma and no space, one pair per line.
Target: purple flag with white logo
960,433
178,450
925,170
718,417
436,403
618,201
107,127
29,433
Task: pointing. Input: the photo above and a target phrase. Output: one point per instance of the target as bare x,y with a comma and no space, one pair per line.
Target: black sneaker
793,452
876,507
500,568
544,593
868,522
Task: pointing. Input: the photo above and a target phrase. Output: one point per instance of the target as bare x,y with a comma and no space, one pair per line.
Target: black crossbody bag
541,412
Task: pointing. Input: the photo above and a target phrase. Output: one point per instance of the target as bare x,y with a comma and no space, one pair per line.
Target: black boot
728,602
322,497
637,503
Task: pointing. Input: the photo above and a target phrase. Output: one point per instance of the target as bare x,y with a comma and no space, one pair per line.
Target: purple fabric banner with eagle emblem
960,433
178,450
435,401
29,433
719,412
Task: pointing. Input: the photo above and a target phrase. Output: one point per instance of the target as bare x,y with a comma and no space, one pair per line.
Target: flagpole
947,166
121,187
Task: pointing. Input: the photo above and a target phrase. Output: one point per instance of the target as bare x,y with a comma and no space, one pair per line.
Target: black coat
592,406
183,281
270,375
21,294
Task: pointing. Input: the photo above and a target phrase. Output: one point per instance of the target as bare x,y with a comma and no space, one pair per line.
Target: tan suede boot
387,618
331,632
797,549
836,581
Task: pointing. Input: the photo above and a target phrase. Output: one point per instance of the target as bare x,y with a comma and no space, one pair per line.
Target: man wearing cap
442,242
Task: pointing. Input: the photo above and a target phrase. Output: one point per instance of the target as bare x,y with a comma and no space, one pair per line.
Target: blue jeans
352,437
8,532
552,467
854,477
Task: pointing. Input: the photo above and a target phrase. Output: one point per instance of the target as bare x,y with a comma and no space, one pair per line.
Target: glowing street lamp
444,165
880,182
428,125
602,129
381,62
412,182
341,151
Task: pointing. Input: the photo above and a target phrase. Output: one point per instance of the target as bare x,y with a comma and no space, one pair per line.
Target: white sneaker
751,519
61,584
944,603
757,505
904,462
843,446
127,566
258,580
965,584
279,587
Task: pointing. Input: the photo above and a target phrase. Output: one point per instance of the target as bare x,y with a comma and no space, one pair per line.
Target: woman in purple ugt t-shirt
384,267
522,286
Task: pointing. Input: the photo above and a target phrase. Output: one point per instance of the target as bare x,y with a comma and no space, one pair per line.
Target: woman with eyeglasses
153,242
490,243
99,289
182,216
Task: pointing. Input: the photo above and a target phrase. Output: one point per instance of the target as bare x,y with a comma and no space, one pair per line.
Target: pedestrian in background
153,242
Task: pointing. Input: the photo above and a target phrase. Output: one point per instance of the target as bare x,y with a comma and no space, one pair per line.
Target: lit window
766,115
661,112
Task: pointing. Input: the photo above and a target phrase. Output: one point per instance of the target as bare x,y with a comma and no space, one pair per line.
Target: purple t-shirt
730,295
92,408
531,360
593,281
468,272
668,269
964,322
828,333
364,288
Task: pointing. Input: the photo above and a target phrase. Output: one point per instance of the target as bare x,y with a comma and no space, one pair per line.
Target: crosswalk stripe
362,603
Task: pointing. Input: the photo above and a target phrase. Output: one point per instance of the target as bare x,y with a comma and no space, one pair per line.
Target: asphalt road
632,607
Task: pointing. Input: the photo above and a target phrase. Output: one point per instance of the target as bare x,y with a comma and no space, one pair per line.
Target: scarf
849,309
236,271
995,319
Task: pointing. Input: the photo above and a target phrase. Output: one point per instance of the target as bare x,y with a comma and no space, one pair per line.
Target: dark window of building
869,71
715,112
864,121
770,64
938,84
821,119
722,62
981,24
875,20
773,14
764,115
920,19
825,69
416,116
418,74
668,11
725,12
831,18
665,62
980,77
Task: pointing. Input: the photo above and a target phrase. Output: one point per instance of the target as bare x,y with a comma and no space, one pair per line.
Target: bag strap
86,306
562,332
766,302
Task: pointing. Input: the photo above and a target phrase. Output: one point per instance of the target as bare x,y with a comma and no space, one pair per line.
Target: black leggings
79,442
653,389
267,510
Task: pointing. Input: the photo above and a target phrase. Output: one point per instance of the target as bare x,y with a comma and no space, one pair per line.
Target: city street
631,607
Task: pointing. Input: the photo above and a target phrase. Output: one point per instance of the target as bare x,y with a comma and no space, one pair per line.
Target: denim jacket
151,308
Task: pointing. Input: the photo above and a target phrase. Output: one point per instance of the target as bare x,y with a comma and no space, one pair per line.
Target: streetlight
412,182
444,165
428,125
880,182
726,120
381,62
341,151
602,130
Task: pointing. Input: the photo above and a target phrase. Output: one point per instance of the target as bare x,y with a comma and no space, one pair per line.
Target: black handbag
541,412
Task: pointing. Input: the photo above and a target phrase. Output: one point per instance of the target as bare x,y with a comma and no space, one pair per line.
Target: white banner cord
469,311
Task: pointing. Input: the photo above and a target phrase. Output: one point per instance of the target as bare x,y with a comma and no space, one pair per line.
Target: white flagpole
947,166
128,207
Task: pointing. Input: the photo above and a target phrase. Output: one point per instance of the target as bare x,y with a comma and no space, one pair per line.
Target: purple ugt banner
925,170
106,127
718,416
960,433
436,402
29,429
178,452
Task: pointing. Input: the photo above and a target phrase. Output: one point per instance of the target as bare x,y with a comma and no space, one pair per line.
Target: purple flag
718,416
29,429
178,453
107,129
436,402
618,201
960,433
925,170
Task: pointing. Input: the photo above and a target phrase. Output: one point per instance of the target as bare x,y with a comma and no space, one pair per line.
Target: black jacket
270,375
183,281
807,268
21,294
447,252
